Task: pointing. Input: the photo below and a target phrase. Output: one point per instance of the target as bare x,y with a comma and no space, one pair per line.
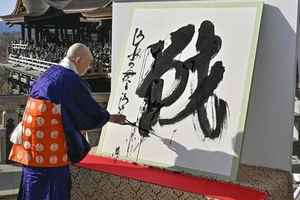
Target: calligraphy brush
134,124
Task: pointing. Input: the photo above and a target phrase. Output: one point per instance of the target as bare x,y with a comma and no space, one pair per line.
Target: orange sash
44,143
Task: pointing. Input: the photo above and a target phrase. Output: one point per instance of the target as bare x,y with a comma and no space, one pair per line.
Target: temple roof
34,10
26,8
98,13
17,14
58,4
84,6
19,7
14,18
36,7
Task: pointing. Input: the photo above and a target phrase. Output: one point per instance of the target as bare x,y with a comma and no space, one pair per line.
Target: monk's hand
84,133
117,119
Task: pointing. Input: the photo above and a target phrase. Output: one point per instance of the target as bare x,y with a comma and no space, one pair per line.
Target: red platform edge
198,185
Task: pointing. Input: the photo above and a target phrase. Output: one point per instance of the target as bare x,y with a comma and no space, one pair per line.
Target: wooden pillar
109,37
66,35
37,30
56,31
41,34
79,36
23,32
73,35
88,33
61,32
29,33
99,36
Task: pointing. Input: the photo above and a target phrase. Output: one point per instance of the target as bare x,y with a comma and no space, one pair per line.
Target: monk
59,107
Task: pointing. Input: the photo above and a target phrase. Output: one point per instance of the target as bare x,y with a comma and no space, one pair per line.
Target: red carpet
183,182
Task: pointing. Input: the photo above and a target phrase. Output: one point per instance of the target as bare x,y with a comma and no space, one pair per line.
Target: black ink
200,96
151,87
207,46
131,64
126,78
134,125
117,151
140,37
127,75
122,102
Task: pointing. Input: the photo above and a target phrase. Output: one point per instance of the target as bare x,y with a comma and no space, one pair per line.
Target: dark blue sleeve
79,112
83,110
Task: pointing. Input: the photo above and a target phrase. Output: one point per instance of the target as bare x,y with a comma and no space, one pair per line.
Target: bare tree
4,86
6,39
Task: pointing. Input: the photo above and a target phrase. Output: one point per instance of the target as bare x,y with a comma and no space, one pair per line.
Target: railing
36,64
19,46
42,62
42,65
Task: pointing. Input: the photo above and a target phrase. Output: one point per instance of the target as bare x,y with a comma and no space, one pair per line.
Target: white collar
68,64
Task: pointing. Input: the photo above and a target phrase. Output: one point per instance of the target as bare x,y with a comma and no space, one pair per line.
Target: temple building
49,27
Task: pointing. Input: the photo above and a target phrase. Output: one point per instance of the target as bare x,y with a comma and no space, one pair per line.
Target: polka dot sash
44,142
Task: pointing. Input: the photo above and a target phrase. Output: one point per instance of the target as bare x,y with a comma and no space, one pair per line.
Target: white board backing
240,26
268,137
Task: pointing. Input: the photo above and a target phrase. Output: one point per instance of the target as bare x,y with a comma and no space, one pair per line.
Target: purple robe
79,111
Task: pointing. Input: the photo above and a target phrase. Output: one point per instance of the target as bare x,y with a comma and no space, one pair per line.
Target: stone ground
10,176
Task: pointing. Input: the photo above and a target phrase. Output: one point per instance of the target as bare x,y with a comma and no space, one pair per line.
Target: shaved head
81,56
78,50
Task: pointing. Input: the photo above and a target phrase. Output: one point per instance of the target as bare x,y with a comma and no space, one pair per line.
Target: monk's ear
77,60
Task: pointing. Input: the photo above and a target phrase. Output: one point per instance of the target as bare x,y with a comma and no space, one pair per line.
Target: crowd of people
55,52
